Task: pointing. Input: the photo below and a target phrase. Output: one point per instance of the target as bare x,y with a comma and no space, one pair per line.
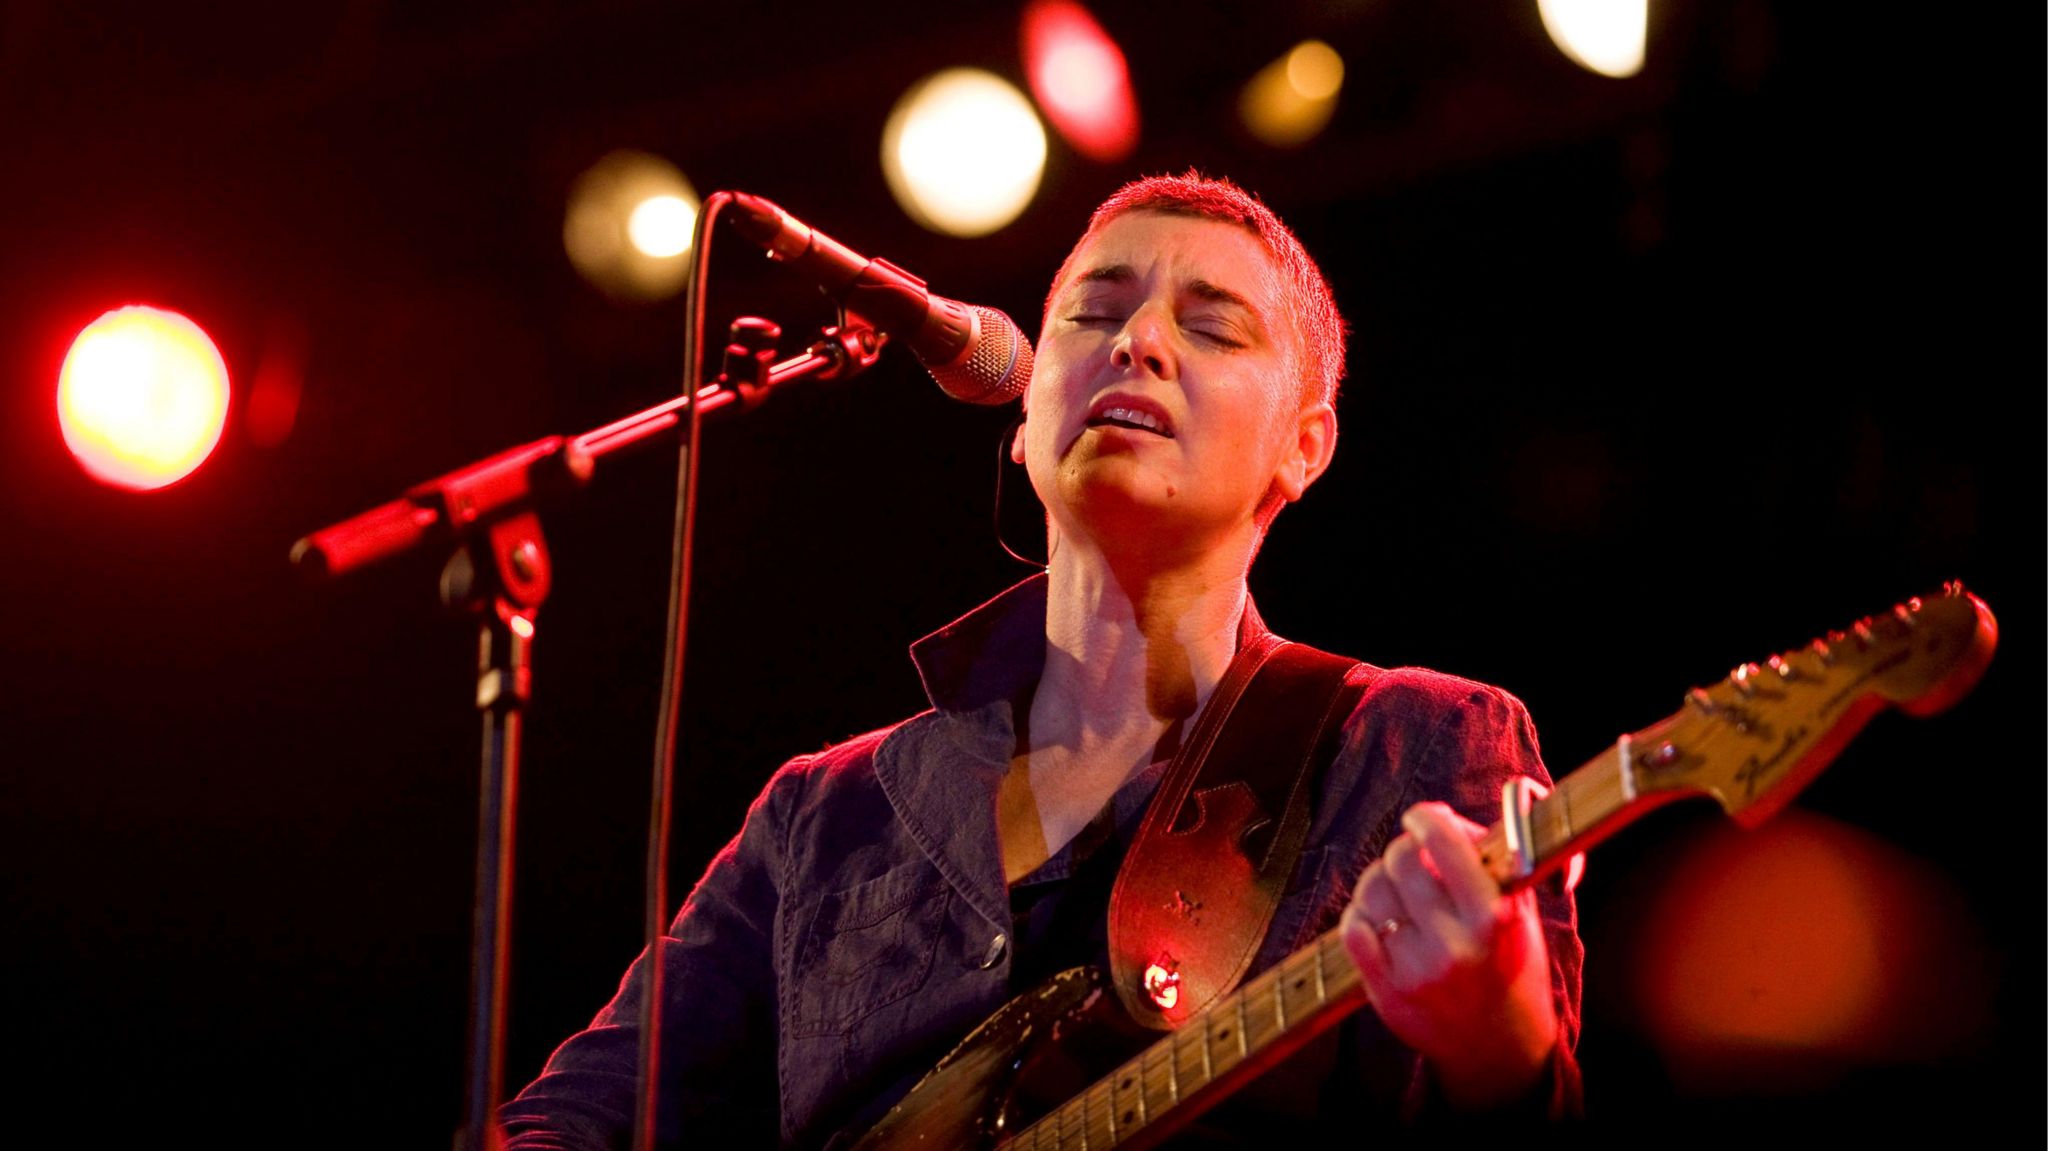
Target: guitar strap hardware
1202,878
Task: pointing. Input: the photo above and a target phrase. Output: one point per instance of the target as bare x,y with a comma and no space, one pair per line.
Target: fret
1280,1002
1322,995
1083,1111
1114,1107
1173,1071
1208,1072
1265,986
1223,1057
1105,1113
1184,1056
1148,1075
1247,1019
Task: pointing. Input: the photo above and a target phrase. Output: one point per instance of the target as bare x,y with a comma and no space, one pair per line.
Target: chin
1145,507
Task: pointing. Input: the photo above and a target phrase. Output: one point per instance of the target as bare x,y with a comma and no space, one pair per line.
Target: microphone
976,354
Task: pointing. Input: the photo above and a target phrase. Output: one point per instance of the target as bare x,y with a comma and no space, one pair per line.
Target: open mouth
1137,419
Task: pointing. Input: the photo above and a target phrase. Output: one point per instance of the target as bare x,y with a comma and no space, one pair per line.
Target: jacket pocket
866,947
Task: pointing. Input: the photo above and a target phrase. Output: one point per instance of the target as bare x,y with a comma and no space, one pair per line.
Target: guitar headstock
1757,737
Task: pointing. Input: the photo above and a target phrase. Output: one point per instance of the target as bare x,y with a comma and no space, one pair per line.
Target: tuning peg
1740,677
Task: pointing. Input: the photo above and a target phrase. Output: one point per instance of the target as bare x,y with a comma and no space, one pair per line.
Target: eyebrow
1201,289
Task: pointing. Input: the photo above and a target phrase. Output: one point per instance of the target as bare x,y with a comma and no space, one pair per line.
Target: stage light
1780,954
963,152
1289,101
1078,75
660,226
142,397
277,385
628,226
1604,36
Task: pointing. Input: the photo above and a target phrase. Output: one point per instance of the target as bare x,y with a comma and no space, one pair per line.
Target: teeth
1146,420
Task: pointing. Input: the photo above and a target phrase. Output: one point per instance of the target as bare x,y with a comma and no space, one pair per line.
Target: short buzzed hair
1319,329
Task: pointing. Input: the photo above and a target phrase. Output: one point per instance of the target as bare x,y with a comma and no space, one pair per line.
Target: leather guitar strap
1202,878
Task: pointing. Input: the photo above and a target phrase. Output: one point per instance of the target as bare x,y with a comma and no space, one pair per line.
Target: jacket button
995,951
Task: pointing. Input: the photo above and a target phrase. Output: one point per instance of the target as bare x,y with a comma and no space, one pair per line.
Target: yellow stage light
629,224
1292,99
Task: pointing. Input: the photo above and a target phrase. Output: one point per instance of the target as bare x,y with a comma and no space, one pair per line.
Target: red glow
142,397
1163,986
1078,76
1794,949
278,384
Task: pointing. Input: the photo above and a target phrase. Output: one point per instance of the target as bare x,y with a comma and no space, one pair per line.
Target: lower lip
1128,429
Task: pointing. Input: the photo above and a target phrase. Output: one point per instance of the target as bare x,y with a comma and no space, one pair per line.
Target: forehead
1146,247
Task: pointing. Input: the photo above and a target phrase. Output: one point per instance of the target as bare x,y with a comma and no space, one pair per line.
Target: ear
1017,439
1309,456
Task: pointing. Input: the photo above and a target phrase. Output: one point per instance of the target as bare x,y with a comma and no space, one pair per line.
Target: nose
1146,340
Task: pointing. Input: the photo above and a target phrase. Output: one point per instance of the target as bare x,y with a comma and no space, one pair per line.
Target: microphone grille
998,364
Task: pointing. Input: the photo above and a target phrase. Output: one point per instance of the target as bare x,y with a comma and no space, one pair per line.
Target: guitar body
1033,1048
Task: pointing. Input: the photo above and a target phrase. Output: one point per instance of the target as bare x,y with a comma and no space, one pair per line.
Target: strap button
995,951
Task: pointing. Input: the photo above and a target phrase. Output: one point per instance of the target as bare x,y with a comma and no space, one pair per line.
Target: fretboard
1240,1035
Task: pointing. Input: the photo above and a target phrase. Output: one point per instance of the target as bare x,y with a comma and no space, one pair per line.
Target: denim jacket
858,924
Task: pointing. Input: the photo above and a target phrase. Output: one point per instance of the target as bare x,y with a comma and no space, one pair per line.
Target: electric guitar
1750,742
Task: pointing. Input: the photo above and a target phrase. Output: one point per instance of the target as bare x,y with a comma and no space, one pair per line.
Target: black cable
670,716
1003,457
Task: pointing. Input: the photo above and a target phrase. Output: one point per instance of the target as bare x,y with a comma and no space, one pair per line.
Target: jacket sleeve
1480,743
718,1064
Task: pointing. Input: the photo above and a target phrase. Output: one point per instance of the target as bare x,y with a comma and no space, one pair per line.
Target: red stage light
142,397
1778,956
1078,76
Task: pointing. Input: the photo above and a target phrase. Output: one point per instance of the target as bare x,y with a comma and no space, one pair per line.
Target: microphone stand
500,572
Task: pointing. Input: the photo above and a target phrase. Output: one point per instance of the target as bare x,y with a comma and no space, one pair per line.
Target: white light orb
1604,36
660,226
963,152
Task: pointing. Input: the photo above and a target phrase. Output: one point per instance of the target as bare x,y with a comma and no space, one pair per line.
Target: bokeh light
963,152
660,226
629,224
1604,36
1078,75
1289,101
142,397
1776,957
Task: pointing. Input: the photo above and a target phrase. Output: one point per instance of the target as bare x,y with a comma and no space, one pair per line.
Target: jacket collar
941,770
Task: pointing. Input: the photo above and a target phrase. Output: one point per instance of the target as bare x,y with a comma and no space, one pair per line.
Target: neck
1133,645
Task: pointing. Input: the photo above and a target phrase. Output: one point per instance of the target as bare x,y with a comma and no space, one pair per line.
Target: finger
1368,950
1446,842
1438,935
1374,897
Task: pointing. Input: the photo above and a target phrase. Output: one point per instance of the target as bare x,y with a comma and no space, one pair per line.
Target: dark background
1650,377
